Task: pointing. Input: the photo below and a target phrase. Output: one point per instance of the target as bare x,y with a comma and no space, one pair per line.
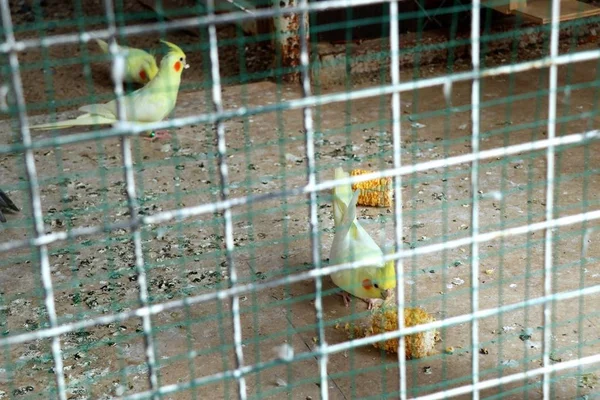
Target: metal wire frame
36,204
131,129
331,349
340,347
398,221
312,196
448,393
311,274
191,211
118,69
224,178
125,130
475,105
195,22
549,212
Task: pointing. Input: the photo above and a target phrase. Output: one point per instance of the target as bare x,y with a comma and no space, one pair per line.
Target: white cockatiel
352,243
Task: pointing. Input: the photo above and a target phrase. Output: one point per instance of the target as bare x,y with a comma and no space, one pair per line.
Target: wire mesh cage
198,263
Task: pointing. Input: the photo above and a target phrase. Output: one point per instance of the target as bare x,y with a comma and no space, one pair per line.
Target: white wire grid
125,130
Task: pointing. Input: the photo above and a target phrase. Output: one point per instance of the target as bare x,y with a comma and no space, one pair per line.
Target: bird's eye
181,59
376,286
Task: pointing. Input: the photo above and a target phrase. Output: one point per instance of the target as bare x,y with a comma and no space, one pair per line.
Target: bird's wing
146,106
140,106
365,246
137,60
351,280
351,241
138,53
108,110
6,202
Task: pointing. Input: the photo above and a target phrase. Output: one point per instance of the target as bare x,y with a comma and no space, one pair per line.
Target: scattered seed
526,334
555,358
280,382
509,363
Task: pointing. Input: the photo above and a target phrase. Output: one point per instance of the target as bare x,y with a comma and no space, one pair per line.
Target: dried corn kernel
374,192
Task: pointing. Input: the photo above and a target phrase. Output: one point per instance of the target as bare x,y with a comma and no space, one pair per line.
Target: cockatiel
352,243
149,104
6,204
140,66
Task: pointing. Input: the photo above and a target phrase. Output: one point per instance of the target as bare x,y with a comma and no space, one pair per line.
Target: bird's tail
351,239
83,120
342,197
344,216
103,45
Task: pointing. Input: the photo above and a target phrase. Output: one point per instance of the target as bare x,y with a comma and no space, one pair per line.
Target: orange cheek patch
177,66
143,75
367,284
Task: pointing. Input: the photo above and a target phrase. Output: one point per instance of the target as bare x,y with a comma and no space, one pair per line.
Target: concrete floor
82,185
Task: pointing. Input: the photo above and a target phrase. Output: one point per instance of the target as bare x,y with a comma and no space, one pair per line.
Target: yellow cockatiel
352,243
140,66
149,104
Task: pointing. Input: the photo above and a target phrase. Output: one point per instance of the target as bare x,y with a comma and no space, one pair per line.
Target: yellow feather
103,45
386,276
174,47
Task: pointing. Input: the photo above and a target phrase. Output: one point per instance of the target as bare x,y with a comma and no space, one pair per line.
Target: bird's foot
370,303
158,135
346,298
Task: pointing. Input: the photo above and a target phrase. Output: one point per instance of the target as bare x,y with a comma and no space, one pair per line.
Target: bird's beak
387,294
186,66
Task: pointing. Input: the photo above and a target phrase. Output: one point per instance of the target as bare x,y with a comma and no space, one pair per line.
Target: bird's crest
174,48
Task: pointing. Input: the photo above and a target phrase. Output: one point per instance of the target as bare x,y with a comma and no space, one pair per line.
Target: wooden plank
504,6
189,8
539,11
172,4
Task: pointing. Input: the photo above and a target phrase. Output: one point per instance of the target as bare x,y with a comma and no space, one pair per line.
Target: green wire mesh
110,343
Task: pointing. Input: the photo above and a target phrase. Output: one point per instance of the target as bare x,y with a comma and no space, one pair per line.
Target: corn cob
374,192
418,345
385,319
